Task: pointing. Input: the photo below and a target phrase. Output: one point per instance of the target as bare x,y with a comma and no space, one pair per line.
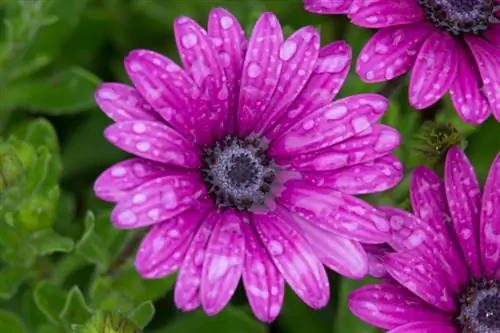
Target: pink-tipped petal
468,99
228,39
390,305
391,52
464,200
163,249
264,285
328,76
117,181
158,200
329,125
434,70
327,6
294,258
154,141
493,35
187,287
261,72
298,55
334,211
385,13
375,176
426,327
490,222
488,62
121,102
223,263
415,272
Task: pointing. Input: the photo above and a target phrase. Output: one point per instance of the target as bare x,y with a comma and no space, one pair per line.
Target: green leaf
10,323
48,242
104,297
75,309
50,299
143,314
89,246
11,278
483,146
37,212
38,132
107,322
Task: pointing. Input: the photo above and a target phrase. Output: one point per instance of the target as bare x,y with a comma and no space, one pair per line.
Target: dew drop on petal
189,40
287,50
254,70
226,22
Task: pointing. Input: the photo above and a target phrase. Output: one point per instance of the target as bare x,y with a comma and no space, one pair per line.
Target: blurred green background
61,261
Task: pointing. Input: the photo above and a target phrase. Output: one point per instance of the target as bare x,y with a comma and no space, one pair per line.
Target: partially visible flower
448,45
444,269
245,167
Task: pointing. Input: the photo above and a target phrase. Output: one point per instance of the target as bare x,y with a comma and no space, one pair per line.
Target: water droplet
189,40
336,112
275,248
226,22
287,50
254,70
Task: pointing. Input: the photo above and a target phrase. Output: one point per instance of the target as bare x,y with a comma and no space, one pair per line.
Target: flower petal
328,76
162,250
117,181
375,254
493,34
121,102
327,6
342,255
264,285
223,263
488,62
153,141
329,125
490,222
228,39
385,13
370,177
158,200
298,55
469,101
426,327
294,259
261,72
187,286
420,277
434,70
390,305
464,200
335,211
391,52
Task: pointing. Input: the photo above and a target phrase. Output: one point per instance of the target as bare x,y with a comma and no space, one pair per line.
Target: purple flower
445,271
448,45
244,167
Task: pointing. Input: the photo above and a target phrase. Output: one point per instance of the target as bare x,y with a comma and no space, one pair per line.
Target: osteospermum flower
244,167
445,271
448,45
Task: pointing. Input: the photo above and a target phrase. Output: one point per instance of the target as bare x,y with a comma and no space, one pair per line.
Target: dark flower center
480,308
461,16
237,172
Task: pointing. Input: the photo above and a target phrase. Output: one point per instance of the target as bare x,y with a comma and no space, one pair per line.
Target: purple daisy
244,167
445,271
448,45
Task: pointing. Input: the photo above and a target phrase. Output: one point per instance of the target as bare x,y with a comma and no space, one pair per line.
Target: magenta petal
464,200
385,13
154,141
488,62
294,258
228,39
327,6
493,35
391,52
342,255
162,250
158,200
468,99
298,55
223,263
261,72
115,182
434,70
370,177
490,222
187,287
375,254
329,125
336,212
426,327
330,72
390,305
415,272
121,102
264,285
